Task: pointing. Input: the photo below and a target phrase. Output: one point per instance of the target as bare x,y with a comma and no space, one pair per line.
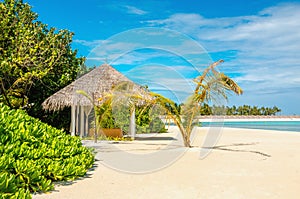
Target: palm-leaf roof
95,83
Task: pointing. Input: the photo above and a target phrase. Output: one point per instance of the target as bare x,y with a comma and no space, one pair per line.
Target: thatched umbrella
96,83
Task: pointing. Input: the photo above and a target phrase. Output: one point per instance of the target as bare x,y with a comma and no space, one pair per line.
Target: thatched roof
97,82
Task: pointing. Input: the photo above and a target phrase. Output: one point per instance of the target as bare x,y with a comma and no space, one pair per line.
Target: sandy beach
244,163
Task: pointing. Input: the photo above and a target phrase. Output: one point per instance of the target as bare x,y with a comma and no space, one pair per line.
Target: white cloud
267,46
269,40
163,41
135,10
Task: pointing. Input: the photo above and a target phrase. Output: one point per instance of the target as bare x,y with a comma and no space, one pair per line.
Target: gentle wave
266,125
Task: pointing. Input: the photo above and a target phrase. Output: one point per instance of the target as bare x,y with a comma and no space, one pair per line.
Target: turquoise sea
267,125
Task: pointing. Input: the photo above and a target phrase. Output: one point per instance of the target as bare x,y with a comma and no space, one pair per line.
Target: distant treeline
240,110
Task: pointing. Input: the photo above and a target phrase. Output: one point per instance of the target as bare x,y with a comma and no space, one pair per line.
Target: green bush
33,155
146,121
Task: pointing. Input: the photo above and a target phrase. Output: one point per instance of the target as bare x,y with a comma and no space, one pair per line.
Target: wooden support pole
87,110
132,123
77,120
81,121
73,120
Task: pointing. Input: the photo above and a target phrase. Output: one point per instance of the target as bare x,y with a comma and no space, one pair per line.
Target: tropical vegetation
240,110
211,85
146,120
111,115
33,155
35,62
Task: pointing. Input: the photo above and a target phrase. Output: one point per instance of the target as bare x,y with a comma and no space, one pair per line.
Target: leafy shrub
33,155
146,121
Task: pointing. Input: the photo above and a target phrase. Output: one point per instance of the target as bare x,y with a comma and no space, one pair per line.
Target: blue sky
259,41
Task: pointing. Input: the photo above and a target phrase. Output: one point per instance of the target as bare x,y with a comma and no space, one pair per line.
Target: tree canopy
240,110
35,61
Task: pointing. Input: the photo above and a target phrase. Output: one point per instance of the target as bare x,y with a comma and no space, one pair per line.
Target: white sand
244,164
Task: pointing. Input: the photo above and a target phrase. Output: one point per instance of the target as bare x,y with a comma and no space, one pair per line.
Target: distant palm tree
254,111
205,109
262,110
276,110
234,110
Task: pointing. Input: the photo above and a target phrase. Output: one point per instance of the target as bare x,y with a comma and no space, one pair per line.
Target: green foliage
34,154
147,121
35,61
189,112
105,117
240,110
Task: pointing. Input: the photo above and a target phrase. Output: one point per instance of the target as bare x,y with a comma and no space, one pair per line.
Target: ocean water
267,125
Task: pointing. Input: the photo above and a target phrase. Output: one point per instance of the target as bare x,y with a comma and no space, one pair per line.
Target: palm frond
212,85
230,84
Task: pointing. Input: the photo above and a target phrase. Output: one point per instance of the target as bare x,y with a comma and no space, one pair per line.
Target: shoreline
215,118
257,130
248,118
290,124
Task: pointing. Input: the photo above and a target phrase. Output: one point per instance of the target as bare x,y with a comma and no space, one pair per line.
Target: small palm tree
210,86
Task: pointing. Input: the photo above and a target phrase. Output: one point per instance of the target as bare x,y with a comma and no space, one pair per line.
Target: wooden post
81,121
87,110
132,122
77,120
95,118
73,120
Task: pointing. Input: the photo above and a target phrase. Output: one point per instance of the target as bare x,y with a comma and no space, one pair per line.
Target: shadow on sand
226,148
